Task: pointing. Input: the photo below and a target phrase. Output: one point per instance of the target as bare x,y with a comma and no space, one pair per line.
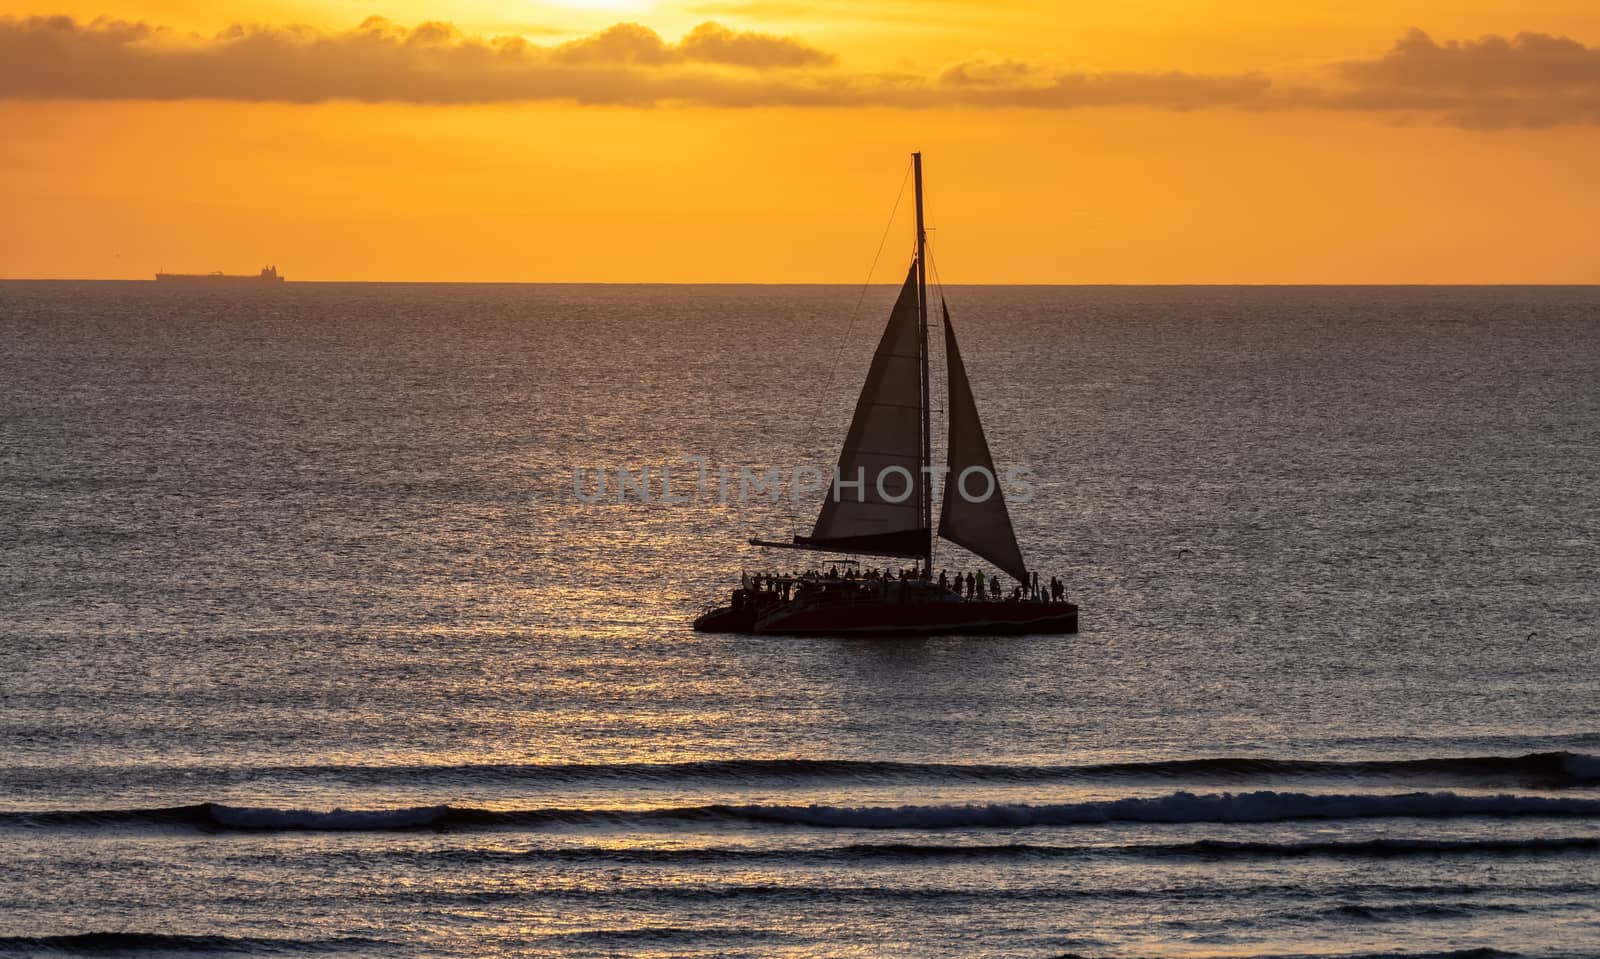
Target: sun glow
630,140
613,6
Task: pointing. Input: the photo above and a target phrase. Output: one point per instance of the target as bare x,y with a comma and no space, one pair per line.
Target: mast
883,439
922,340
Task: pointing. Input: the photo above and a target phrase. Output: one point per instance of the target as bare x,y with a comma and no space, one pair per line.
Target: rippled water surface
307,646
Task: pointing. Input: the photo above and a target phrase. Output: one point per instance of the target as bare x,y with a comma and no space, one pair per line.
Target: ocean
310,644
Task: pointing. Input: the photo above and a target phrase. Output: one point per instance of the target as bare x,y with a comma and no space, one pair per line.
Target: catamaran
881,504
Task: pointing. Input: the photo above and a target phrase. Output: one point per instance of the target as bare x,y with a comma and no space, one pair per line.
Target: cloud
1010,83
56,57
1528,80
911,12
986,72
1528,62
631,43
623,43
715,43
1532,79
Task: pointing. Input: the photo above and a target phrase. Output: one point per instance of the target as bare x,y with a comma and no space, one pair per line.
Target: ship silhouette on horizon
268,275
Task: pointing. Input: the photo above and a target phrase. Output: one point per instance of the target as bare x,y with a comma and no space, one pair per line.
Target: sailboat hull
745,609
907,619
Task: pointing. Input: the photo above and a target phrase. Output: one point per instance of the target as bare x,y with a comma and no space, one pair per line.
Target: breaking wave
1205,849
1541,770
1178,807
111,943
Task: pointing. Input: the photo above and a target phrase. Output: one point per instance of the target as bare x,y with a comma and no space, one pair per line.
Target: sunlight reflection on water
322,550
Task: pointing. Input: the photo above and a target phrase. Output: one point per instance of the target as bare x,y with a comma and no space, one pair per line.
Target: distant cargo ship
268,274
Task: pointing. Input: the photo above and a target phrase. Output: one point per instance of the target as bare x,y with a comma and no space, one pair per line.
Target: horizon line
819,283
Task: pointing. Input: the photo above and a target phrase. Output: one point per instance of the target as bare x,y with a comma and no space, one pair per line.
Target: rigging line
855,314
937,280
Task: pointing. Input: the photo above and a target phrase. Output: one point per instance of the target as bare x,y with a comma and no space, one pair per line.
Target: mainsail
977,518
883,451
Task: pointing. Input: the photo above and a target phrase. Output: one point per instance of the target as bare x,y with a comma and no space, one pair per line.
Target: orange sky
1105,141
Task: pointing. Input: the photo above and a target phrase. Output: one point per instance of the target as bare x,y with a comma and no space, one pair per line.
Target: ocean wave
353,820
852,853
112,943
1395,911
1369,848
1546,769
1178,807
872,892
1581,767
664,935
1224,849
1481,952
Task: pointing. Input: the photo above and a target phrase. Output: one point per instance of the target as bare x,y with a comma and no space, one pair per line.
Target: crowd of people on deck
971,586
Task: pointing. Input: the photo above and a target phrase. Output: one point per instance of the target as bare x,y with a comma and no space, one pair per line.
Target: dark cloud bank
1528,80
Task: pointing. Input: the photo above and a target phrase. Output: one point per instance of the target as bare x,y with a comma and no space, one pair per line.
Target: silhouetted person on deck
994,587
